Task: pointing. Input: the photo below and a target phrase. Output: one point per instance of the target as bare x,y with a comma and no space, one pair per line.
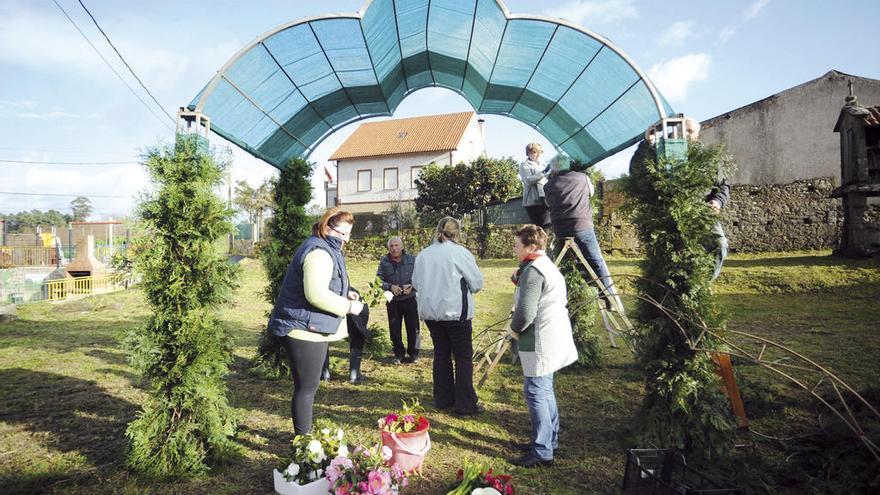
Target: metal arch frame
359,14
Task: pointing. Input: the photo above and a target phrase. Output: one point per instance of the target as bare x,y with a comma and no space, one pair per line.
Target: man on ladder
568,196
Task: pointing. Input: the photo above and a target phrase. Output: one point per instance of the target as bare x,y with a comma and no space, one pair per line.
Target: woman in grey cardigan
540,323
533,175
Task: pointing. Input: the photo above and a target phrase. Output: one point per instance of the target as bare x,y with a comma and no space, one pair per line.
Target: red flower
459,475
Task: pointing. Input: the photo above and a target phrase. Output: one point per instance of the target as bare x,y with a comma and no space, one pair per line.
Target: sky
59,102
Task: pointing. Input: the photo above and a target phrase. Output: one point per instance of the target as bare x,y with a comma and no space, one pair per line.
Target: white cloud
755,8
674,77
594,12
725,34
49,43
677,33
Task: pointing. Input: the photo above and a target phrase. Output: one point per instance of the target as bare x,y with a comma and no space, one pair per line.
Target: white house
380,162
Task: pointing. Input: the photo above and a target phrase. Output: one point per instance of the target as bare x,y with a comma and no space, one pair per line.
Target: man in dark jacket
568,197
396,270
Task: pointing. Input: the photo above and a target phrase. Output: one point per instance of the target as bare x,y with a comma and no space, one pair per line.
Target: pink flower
343,490
375,481
409,418
391,418
363,488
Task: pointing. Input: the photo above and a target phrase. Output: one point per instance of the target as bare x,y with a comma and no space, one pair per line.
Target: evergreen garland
683,407
182,350
287,229
582,312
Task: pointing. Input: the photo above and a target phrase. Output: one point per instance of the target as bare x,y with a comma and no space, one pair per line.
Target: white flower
485,491
339,434
386,453
343,451
292,469
326,431
315,447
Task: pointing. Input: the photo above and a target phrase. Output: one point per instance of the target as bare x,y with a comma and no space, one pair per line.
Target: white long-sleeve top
446,277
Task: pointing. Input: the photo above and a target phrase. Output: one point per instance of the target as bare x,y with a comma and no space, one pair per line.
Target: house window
365,179
390,179
414,173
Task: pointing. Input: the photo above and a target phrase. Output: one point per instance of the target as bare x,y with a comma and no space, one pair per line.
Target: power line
124,62
43,150
64,195
111,67
66,163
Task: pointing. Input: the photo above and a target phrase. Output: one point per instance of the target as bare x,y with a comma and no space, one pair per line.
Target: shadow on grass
78,416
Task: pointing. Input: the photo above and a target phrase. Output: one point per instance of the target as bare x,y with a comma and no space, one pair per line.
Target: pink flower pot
408,449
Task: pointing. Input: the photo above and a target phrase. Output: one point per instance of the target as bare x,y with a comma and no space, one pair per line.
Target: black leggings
306,360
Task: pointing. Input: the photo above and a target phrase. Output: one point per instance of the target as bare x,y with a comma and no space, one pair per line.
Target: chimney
482,123
85,263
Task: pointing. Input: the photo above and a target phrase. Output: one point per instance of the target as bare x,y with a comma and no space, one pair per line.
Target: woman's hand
355,307
353,296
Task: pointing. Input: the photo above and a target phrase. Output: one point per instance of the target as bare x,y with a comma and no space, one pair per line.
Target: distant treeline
27,221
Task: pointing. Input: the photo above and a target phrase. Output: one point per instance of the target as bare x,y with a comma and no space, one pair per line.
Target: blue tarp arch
284,93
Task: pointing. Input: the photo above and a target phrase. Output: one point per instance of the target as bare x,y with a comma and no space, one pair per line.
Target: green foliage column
287,229
683,407
184,353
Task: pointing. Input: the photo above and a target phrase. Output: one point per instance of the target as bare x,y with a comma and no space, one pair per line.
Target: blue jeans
541,401
589,245
720,247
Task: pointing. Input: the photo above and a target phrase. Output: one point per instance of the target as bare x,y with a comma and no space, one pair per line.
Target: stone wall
775,217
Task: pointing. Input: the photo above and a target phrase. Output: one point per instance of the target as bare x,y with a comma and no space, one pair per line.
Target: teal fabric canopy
280,96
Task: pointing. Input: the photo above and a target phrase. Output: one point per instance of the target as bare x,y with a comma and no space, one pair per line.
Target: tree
253,202
182,350
29,220
463,189
288,228
81,207
683,406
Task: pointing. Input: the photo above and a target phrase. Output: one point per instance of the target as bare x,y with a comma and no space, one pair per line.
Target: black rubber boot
325,372
354,368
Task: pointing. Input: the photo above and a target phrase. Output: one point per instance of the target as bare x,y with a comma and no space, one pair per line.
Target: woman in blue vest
311,308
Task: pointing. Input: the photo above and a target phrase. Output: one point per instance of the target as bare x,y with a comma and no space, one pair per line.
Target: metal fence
48,256
28,256
56,290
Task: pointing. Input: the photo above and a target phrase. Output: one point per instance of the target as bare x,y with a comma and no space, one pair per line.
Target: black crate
665,472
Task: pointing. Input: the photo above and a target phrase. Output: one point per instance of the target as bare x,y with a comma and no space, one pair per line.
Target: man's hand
715,205
511,335
396,290
407,288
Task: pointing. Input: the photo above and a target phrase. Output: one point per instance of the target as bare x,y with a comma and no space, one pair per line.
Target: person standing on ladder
568,196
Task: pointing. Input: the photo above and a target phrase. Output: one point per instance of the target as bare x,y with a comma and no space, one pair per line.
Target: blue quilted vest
292,310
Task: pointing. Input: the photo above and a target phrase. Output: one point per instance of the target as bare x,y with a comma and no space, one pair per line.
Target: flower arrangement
477,479
408,419
365,473
311,454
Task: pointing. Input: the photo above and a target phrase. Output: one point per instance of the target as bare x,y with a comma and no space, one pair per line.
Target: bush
182,350
683,406
583,312
378,345
288,228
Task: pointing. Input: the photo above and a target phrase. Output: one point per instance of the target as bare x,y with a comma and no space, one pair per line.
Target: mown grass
67,393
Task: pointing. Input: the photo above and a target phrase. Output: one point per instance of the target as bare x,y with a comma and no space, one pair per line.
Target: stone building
788,164
377,166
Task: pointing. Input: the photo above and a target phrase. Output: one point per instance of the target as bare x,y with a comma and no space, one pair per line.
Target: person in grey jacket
446,277
533,176
541,325
395,271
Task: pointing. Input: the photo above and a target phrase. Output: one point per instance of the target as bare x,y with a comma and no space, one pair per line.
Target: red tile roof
400,136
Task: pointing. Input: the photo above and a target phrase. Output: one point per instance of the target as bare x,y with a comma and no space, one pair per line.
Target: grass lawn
67,393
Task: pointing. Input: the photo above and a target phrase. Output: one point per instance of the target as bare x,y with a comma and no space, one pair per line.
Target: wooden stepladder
614,319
